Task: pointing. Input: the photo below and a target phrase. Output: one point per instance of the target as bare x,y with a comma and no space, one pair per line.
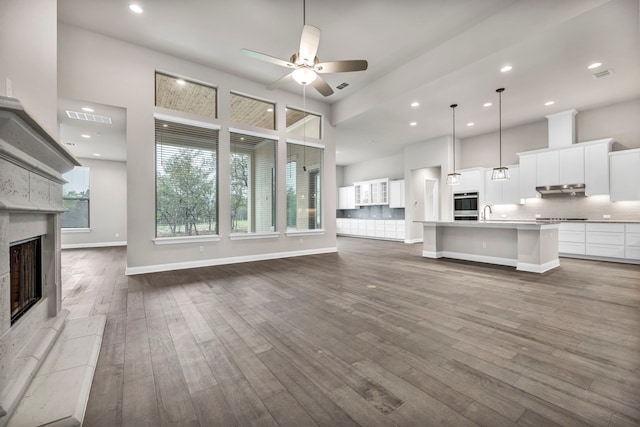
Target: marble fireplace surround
31,168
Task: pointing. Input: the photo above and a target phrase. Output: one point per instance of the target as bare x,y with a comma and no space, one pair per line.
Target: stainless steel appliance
465,206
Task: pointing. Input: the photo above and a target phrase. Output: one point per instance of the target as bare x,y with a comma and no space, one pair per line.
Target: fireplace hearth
25,276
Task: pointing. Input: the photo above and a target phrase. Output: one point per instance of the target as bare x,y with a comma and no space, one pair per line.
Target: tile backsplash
371,212
590,207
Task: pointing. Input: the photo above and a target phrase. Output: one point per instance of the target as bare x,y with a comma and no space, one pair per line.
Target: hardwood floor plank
139,405
212,408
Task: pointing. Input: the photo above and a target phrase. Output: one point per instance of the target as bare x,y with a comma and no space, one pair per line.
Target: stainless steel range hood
567,190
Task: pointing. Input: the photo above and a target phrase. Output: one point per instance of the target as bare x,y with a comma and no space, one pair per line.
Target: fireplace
25,276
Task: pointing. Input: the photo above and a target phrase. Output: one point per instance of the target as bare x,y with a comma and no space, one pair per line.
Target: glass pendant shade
304,76
454,179
500,174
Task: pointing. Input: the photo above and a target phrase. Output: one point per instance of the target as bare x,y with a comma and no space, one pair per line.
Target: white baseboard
130,271
431,254
538,268
413,240
93,245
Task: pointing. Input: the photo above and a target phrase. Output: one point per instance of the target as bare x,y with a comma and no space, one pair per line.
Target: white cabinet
502,192
606,240
372,228
632,242
472,181
596,167
396,194
571,165
547,168
374,192
528,174
624,175
346,197
571,238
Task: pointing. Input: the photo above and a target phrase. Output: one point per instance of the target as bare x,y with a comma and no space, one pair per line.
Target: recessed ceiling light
164,125
269,110
87,109
415,104
487,104
181,82
413,124
549,103
97,154
470,124
594,65
84,135
135,8
506,68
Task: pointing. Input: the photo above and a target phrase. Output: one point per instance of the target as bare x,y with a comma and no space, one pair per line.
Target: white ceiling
437,52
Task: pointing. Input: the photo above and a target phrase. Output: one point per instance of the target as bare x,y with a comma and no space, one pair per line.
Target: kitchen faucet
484,211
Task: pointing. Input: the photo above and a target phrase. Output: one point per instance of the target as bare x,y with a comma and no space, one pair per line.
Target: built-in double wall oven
465,206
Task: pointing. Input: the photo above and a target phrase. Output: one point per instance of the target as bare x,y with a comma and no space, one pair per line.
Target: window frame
86,228
274,105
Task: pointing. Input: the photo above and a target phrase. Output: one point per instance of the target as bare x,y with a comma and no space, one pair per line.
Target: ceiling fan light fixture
304,76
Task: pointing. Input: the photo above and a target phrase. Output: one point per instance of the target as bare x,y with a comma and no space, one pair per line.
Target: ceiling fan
305,63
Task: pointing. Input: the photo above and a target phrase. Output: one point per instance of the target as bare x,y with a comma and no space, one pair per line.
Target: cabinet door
511,188
624,175
471,181
383,191
528,170
492,189
396,194
571,165
596,169
547,168
357,197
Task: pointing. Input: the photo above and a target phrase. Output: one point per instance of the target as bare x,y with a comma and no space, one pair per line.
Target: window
75,197
303,124
182,95
304,187
253,165
186,179
253,112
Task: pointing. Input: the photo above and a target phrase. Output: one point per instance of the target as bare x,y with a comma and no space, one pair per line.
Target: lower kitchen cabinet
598,240
571,238
371,228
632,242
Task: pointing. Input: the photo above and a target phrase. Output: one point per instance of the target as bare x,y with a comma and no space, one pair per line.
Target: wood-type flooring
374,335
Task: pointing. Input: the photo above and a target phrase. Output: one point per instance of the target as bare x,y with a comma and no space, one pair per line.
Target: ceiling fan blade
279,82
309,43
322,86
267,58
341,66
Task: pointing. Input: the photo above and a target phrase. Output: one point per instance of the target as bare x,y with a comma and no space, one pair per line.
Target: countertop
520,224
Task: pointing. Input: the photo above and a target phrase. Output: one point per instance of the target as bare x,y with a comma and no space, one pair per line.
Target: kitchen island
525,245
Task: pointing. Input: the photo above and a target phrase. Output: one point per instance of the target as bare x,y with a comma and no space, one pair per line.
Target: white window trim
186,239
297,233
185,121
75,230
256,134
250,236
307,143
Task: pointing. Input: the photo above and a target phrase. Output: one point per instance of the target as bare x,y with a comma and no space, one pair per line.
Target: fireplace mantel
31,167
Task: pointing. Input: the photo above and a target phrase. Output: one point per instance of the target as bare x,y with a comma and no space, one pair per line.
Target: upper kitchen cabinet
528,175
346,197
596,166
374,192
472,180
503,192
624,174
547,168
396,194
571,165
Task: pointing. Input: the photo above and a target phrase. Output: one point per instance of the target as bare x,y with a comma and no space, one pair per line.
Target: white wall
385,167
107,206
28,52
105,70
618,121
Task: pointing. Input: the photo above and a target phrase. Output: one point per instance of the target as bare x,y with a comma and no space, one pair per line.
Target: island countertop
527,245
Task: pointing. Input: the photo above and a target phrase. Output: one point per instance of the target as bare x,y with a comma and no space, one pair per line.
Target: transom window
303,124
178,94
253,112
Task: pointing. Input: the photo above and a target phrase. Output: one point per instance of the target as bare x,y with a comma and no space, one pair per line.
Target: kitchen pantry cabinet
624,175
503,192
374,192
389,229
346,197
396,194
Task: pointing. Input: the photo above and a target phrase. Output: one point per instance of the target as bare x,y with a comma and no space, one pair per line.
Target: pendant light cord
304,128
453,108
304,12
500,122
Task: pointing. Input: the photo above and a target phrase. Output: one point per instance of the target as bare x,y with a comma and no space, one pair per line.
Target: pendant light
500,173
454,178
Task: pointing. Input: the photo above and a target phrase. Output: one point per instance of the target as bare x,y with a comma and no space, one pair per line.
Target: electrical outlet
484,245
606,216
